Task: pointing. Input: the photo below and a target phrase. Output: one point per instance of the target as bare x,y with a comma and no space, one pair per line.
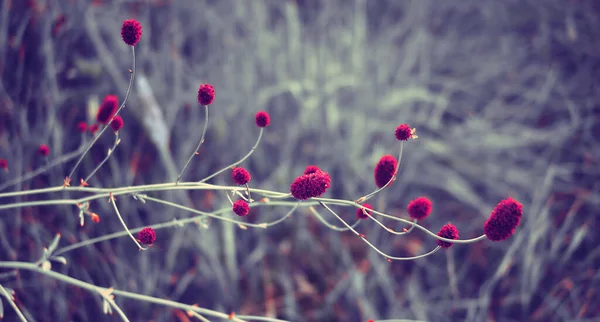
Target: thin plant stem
135,296
198,147
370,195
110,152
30,175
13,304
115,307
373,246
389,230
131,78
112,200
260,134
328,225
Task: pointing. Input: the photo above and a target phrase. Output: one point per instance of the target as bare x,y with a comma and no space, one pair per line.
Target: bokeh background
503,94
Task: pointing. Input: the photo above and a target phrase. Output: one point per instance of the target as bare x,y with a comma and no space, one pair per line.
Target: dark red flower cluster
117,123
419,208
448,231
240,208
206,94
108,108
403,132
360,213
4,164
313,184
43,150
82,127
147,236
262,119
240,176
384,170
131,32
503,220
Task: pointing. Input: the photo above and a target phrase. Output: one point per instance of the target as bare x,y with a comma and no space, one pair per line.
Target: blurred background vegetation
503,94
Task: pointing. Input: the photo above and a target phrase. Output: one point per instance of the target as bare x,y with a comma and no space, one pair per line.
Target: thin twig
13,304
198,147
112,200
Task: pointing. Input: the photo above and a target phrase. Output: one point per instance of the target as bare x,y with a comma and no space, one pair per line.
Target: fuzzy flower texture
503,220
147,236
262,119
419,208
384,170
131,32
206,94
240,176
117,123
313,183
108,108
448,231
240,208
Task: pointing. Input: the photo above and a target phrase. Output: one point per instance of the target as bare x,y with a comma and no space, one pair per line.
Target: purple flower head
384,170
503,220
448,231
419,208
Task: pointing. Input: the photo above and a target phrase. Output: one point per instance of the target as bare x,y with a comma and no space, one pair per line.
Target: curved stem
110,152
370,195
198,147
112,200
328,225
96,137
260,134
12,303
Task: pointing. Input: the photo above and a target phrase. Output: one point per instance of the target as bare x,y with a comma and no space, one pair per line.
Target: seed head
93,128
404,132
117,123
384,170
131,32
360,212
503,220
240,175
206,94
4,164
147,236
262,119
310,185
43,150
82,127
240,208
108,108
448,231
419,208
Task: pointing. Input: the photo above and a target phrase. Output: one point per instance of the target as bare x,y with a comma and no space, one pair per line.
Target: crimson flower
147,236
131,32
503,220
108,108
240,175
310,185
206,94
117,123
240,208
384,170
448,231
360,213
43,150
262,119
419,208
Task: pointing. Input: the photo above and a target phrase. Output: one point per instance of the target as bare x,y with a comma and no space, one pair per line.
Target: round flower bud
360,213
82,127
93,128
403,132
384,170
108,108
240,176
3,164
448,231
131,32
503,220
43,150
419,208
262,119
310,185
117,123
147,236
206,94
240,208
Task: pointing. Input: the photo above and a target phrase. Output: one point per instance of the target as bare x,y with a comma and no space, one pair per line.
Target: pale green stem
112,200
110,152
94,289
369,196
12,303
96,137
328,225
260,134
198,147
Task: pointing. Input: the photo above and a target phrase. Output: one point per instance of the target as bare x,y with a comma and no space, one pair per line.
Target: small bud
262,119
206,94
240,208
419,208
117,123
131,32
82,127
448,231
147,236
362,213
240,176
93,128
404,132
43,150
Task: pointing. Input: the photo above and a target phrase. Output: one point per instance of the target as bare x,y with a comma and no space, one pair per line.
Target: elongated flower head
43,150
240,208
384,170
82,127
240,176
117,123
360,213
403,132
503,220
262,119
147,236
419,208
310,185
206,94
108,108
3,164
448,231
131,32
